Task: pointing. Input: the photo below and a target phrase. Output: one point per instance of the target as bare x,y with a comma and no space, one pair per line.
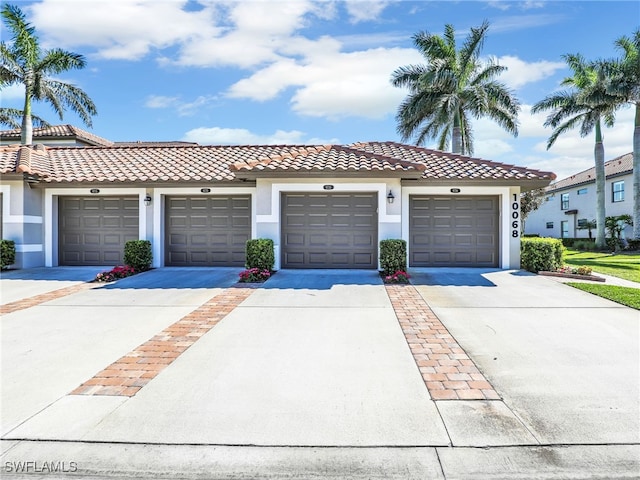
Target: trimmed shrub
7,253
260,254
393,256
586,244
633,244
137,254
541,254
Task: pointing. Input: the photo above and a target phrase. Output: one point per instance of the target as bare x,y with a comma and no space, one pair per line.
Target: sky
316,72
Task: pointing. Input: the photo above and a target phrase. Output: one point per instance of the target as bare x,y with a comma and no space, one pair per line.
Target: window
550,197
582,191
549,224
582,222
564,229
564,201
617,191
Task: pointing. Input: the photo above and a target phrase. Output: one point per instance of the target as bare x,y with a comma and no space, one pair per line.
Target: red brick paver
446,369
44,297
126,376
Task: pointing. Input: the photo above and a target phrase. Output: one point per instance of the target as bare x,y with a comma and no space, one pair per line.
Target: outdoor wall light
147,200
390,197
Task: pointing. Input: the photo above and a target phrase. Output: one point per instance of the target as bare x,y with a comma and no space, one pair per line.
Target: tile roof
618,166
187,163
444,165
140,143
327,159
59,132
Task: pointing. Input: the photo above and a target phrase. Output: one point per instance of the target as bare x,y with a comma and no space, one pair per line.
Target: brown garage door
93,230
453,231
207,231
337,230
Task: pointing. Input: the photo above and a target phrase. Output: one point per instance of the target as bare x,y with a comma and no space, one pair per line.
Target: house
571,202
69,135
57,135
325,206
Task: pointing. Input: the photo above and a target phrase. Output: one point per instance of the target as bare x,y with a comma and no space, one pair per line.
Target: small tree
615,225
589,225
530,201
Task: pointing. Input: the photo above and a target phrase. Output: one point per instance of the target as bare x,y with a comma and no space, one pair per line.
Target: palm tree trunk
598,152
636,175
26,134
456,134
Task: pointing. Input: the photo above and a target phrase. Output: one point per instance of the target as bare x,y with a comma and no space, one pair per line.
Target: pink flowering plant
255,274
121,271
582,270
400,276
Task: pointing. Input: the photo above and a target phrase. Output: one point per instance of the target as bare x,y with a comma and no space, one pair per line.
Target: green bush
633,244
586,245
7,253
541,254
393,256
260,254
137,254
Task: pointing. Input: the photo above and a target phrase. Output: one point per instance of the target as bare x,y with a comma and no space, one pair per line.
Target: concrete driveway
311,375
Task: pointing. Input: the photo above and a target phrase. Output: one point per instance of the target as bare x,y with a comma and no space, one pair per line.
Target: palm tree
12,117
586,105
24,62
625,82
452,86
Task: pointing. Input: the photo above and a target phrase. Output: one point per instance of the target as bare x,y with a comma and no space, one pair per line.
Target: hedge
137,254
541,254
393,256
7,253
260,254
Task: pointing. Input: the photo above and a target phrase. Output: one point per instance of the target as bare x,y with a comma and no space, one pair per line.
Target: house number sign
515,217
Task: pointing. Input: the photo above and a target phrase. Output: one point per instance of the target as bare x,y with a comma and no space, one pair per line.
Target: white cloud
122,29
520,73
365,10
333,84
183,109
241,136
160,101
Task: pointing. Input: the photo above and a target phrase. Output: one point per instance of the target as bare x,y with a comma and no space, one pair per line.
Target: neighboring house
571,202
57,135
324,206
68,135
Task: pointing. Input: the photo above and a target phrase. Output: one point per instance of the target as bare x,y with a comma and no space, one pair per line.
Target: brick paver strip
44,297
126,376
446,369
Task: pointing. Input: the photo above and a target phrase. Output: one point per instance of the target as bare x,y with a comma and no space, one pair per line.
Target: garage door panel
318,239
453,231
93,230
112,240
207,230
441,222
294,239
463,221
486,204
329,230
363,241
486,222
90,222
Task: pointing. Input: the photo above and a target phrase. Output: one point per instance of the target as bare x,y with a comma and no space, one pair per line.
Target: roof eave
524,184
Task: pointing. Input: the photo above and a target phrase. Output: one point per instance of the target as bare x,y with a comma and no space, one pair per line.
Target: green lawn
624,295
621,265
